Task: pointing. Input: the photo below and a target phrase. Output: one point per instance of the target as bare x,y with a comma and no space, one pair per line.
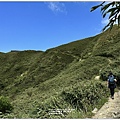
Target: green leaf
112,10
118,20
107,6
112,13
95,7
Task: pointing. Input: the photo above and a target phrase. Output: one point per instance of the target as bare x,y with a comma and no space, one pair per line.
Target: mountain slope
34,79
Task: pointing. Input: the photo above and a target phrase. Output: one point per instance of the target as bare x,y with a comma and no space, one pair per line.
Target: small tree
112,9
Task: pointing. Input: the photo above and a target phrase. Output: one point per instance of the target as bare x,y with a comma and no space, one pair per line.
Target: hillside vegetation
60,82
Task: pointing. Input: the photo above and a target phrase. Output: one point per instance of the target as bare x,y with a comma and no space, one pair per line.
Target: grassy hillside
60,82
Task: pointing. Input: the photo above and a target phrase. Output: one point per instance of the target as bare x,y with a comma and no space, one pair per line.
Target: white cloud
57,7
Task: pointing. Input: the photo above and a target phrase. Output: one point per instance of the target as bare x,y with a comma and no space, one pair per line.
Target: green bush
85,97
82,98
5,105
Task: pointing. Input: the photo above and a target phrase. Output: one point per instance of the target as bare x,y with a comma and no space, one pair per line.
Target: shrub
5,105
82,98
85,97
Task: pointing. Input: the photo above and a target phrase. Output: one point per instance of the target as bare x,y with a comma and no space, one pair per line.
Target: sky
44,25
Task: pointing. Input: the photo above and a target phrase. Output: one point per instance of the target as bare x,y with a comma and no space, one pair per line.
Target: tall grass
80,99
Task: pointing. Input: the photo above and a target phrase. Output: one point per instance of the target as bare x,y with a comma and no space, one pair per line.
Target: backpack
111,79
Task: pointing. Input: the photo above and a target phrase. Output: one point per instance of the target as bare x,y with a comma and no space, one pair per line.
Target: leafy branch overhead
112,9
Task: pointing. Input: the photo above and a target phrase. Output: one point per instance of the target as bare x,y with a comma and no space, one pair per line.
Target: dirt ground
110,110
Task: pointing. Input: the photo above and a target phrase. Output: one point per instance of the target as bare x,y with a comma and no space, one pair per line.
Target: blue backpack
111,79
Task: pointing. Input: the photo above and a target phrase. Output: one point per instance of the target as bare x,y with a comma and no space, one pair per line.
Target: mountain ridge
33,77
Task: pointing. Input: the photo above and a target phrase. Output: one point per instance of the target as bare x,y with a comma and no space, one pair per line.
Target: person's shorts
112,86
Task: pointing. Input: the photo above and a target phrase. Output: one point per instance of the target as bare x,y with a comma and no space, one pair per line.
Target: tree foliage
112,9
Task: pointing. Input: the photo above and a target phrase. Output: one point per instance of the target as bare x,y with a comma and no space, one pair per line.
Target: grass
79,100
36,81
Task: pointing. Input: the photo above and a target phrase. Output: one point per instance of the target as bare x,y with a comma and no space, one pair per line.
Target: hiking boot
112,97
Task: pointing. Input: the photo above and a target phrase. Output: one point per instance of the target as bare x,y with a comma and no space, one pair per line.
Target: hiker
111,84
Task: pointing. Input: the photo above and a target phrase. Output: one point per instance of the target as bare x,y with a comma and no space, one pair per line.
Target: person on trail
111,84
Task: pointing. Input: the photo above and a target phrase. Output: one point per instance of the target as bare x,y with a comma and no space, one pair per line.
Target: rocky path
111,109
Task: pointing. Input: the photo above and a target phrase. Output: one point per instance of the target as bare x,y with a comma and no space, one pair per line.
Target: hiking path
110,110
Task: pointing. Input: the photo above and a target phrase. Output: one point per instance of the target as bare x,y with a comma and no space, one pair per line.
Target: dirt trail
111,109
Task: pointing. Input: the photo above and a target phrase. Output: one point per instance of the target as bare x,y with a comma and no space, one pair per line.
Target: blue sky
44,25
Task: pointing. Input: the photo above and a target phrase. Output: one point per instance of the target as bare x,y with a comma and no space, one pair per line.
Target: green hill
60,82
